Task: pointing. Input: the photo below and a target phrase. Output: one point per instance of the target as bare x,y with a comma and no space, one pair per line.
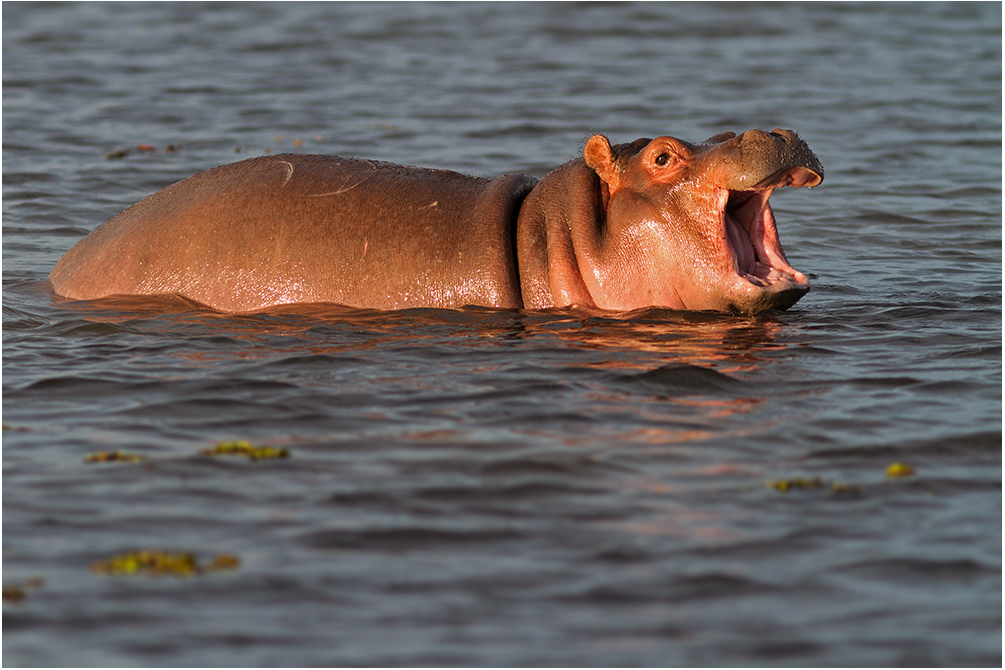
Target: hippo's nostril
783,134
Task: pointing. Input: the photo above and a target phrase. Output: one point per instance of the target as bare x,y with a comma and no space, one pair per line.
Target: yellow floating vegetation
109,456
899,470
246,449
150,562
786,485
157,563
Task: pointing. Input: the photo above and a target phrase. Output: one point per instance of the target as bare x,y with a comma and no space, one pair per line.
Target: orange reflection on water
728,344
679,520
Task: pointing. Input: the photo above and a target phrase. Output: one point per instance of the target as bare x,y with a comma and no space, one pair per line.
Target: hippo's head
688,226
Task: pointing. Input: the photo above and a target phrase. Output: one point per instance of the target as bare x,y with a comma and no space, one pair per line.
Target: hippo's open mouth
751,234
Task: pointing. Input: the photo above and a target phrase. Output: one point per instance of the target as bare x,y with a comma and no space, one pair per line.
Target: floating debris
224,562
836,488
157,563
246,449
109,456
840,488
785,485
12,593
142,147
899,470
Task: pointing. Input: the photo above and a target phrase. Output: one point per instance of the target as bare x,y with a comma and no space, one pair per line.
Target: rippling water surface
486,487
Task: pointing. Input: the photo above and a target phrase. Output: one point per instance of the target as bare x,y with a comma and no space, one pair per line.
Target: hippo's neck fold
564,205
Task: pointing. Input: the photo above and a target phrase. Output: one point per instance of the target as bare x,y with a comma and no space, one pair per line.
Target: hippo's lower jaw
762,277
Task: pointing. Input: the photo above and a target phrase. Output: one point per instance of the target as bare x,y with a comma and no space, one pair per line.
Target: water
486,487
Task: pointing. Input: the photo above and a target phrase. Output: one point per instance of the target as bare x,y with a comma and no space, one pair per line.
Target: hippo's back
301,228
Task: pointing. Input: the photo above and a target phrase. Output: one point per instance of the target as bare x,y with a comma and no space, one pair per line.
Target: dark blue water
486,487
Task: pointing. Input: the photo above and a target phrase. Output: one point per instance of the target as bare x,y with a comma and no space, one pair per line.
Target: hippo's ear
600,158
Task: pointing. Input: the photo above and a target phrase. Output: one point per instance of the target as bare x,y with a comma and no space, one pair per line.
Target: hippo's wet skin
652,223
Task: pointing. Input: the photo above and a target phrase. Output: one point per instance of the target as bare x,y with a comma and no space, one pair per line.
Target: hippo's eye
662,159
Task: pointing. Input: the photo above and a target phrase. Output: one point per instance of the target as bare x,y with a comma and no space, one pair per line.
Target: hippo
655,222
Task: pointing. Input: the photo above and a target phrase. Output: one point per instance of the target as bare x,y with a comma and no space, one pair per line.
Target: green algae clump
246,449
836,488
149,562
786,485
157,563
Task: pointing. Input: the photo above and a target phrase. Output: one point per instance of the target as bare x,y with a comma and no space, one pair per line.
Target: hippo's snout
750,161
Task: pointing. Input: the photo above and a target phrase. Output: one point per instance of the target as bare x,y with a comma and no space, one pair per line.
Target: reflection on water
690,337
